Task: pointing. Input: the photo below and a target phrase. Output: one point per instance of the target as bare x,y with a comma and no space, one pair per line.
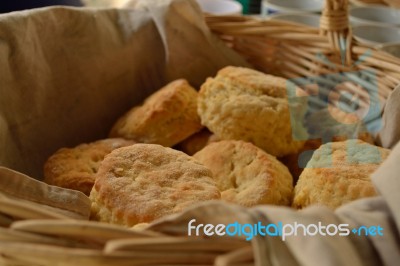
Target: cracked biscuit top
244,104
143,182
166,117
247,175
339,172
75,168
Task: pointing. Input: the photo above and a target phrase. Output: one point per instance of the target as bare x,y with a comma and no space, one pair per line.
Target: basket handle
335,25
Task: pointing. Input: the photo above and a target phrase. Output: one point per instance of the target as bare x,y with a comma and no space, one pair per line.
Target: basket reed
280,48
393,3
36,230
368,2
294,51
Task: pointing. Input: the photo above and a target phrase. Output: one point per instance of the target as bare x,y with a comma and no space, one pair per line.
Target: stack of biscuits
228,141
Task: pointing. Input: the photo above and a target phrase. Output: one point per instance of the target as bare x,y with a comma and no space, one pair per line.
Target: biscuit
143,182
197,141
166,117
244,104
75,168
339,172
246,175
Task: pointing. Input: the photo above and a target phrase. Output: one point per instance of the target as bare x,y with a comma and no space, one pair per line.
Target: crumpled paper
389,135
67,74
19,188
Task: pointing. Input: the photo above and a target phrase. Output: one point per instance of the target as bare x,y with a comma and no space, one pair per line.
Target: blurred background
8,6
375,23
249,6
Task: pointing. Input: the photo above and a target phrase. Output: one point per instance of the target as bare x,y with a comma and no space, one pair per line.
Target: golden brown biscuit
143,182
247,175
197,141
337,173
166,117
75,168
244,104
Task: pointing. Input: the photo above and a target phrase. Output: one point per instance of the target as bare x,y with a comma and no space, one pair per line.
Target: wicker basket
392,3
368,2
314,56
284,49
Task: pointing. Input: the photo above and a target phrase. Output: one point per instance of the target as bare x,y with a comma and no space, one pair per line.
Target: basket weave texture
293,51
369,2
